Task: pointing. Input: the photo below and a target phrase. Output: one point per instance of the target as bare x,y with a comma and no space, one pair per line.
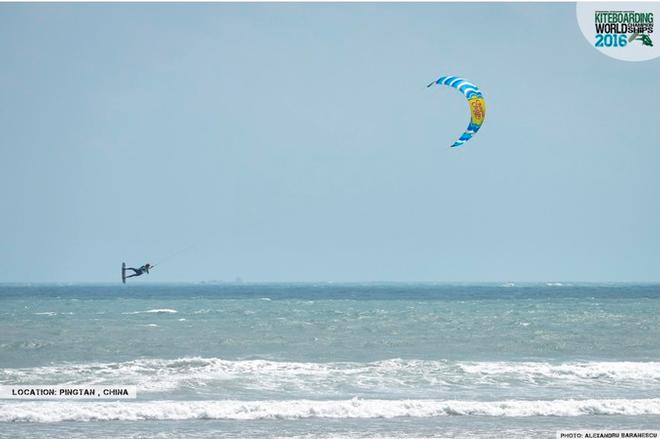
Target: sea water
326,360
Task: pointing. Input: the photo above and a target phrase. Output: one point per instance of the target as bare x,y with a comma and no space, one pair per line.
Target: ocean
333,360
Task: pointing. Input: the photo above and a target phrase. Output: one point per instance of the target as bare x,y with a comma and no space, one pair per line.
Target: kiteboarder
146,267
139,271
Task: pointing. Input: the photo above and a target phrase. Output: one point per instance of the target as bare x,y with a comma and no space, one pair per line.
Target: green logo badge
644,38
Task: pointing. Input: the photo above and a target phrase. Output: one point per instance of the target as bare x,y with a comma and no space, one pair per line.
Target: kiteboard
123,272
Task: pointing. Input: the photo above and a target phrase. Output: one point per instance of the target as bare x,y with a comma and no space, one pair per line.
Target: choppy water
305,360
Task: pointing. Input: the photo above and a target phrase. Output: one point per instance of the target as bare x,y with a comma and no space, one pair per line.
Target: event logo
618,28
622,31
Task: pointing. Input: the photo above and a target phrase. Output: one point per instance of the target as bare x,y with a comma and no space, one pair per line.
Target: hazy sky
298,142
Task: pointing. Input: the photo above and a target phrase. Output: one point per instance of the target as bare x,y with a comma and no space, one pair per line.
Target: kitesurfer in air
140,271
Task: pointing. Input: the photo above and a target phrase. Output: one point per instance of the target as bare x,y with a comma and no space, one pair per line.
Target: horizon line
555,283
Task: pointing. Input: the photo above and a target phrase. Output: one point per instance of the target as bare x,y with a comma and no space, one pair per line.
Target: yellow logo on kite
477,109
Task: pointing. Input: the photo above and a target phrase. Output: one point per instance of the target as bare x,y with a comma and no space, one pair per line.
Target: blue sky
297,142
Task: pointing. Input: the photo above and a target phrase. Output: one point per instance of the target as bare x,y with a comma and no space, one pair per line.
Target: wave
410,377
299,409
614,371
153,311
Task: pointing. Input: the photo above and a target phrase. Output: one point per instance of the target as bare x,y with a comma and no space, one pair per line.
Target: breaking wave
340,378
299,409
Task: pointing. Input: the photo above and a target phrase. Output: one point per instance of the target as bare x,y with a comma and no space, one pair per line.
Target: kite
475,99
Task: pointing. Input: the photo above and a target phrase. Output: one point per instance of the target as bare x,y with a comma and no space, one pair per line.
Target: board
123,272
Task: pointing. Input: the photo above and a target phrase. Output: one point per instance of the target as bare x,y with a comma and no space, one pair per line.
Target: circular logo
621,30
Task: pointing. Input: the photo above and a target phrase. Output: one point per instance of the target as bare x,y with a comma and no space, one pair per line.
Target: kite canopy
475,99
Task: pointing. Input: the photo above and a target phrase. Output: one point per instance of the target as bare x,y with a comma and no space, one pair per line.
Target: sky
298,142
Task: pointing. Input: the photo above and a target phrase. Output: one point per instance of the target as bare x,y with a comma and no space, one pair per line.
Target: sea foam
391,376
299,409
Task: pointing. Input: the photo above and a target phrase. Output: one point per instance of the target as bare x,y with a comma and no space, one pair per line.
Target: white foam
153,311
394,375
41,411
47,313
614,371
